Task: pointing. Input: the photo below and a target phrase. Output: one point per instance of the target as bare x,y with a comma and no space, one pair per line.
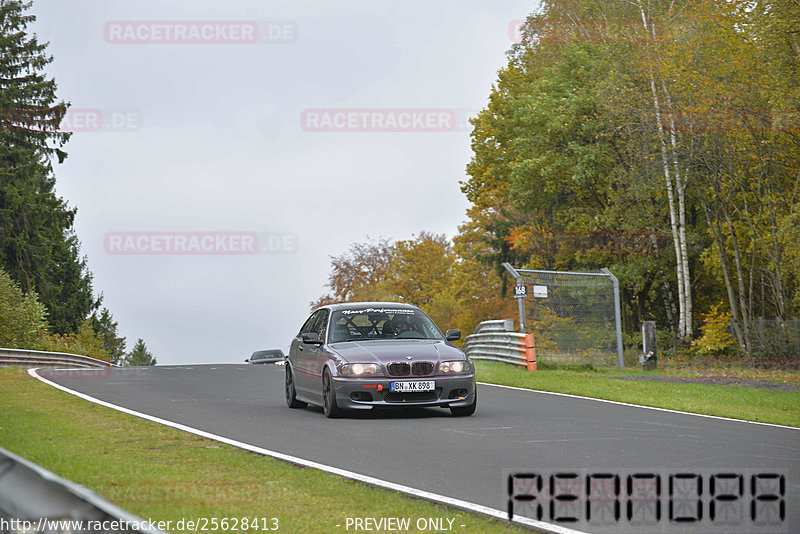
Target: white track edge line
640,406
385,484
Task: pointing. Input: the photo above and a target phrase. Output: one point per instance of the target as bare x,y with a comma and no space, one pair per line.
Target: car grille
399,369
406,369
422,368
422,396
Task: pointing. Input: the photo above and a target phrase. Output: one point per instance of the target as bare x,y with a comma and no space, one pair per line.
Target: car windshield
381,323
264,354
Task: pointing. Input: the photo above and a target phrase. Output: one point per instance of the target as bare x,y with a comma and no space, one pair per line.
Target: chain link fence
776,337
574,316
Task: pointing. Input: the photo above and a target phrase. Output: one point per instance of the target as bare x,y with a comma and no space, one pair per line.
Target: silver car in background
266,356
356,356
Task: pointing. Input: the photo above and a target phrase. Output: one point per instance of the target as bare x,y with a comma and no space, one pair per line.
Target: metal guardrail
494,340
40,358
33,500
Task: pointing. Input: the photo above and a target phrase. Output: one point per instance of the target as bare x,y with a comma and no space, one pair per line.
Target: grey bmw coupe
356,356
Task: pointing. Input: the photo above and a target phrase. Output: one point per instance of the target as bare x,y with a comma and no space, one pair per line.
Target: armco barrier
32,499
39,358
494,340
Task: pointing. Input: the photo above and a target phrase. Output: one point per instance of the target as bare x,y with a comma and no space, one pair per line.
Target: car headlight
458,367
360,369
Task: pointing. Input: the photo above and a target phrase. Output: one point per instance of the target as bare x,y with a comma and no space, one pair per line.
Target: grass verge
779,407
164,474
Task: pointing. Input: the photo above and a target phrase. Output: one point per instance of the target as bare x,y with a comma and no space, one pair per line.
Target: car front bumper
363,394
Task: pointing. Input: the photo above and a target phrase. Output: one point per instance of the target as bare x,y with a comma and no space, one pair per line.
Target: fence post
520,301
618,317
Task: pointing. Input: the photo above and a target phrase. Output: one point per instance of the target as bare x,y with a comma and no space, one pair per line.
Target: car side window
322,324
308,326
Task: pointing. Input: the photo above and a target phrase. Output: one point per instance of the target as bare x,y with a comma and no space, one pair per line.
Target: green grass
164,474
779,407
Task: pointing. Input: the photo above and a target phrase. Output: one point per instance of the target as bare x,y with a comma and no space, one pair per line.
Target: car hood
393,350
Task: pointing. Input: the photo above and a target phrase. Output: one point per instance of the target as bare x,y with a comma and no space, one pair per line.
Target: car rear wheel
464,411
329,396
291,397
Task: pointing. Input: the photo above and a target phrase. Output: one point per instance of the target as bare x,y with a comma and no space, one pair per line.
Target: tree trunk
719,242
680,189
740,279
677,217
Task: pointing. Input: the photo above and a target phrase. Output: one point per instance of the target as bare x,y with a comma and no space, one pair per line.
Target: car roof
359,305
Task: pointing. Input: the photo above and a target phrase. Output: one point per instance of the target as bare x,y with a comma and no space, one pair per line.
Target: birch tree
665,120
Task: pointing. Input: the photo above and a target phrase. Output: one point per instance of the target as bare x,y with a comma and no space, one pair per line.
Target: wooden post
649,345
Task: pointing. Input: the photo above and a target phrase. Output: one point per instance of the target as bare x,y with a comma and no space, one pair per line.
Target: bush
23,325
85,342
23,319
715,340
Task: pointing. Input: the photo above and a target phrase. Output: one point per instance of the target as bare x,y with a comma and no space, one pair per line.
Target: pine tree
38,247
139,355
105,326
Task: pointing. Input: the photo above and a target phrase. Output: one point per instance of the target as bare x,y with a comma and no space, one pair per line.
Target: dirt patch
718,381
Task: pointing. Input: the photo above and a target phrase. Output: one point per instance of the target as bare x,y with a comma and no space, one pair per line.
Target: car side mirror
453,334
311,338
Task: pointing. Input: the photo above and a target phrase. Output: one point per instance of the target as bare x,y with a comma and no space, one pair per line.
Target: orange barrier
530,352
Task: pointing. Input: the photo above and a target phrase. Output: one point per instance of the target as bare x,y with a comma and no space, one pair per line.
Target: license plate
413,387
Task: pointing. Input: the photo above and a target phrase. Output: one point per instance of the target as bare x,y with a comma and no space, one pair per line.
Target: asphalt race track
466,458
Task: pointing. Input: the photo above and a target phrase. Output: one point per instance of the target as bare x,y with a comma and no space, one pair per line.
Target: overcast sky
224,150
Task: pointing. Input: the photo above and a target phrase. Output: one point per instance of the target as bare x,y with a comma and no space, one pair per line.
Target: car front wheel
291,397
329,396
464,411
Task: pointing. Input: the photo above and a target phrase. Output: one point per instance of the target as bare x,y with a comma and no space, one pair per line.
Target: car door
317,356
302,356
